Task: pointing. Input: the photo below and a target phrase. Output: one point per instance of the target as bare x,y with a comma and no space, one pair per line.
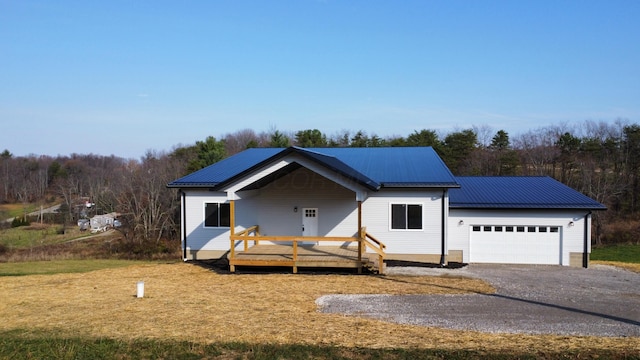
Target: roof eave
421,185
526,207
192,185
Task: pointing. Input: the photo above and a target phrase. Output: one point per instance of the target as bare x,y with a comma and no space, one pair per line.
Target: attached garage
519,220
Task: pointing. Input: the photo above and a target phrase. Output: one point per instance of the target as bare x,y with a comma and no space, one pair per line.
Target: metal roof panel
394,166
517,192
227,168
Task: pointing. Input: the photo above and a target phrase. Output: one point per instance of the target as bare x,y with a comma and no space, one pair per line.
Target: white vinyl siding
276,204
376,215
200,237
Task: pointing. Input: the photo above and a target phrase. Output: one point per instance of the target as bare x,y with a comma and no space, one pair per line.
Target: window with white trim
217,215
406,216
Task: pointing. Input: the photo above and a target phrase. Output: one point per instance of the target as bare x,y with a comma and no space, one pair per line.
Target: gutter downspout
184,225
585,253
443,224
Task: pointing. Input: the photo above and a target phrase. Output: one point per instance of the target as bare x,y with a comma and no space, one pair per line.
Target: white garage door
515,244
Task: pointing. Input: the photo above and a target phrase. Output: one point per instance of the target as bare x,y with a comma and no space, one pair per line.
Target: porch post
232,233
232,220
360,236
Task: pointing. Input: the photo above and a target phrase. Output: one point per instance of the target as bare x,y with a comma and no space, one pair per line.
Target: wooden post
360,234
295,256
232,232
232,220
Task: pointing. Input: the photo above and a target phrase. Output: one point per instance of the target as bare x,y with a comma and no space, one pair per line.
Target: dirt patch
188,302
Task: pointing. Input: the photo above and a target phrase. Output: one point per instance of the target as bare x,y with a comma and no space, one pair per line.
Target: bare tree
538,152
145,198
242,140
484,135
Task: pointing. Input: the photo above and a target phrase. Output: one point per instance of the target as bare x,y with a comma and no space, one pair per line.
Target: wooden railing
367,240
244,236
364,240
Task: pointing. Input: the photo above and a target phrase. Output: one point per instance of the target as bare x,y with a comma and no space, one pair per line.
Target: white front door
310,222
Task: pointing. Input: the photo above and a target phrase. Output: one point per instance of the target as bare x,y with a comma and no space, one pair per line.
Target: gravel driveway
600,301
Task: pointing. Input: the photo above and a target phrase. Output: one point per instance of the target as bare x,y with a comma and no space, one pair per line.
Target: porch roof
371,167
517,192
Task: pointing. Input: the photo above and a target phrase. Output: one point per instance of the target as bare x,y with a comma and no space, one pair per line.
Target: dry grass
635,267
188,302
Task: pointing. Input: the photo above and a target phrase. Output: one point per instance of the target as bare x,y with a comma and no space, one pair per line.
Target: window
406,216
531,229
498,228
476,228
217,215
508,228
487,228
553,229
520,228
542,229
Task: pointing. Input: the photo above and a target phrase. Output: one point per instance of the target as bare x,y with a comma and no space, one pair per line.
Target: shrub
624,231
143,250
17,222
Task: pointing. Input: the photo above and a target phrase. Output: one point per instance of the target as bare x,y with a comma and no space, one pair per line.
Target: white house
405,197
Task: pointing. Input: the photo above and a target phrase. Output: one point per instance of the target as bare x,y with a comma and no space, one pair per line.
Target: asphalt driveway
599,301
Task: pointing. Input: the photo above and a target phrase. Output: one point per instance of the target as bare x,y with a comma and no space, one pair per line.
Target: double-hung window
406,216
217,215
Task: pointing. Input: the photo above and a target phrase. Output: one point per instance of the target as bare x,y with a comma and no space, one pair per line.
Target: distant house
100,223
405,198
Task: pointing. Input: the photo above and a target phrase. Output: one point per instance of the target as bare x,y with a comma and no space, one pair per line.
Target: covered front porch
306,251
310,205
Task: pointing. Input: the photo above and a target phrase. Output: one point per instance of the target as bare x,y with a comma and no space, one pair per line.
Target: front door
309,223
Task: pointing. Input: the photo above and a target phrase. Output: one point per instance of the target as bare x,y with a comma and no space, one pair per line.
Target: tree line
599,159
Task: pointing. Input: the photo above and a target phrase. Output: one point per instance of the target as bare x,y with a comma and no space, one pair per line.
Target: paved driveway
600,301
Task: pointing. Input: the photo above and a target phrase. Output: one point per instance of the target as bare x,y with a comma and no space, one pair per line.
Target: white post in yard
140,289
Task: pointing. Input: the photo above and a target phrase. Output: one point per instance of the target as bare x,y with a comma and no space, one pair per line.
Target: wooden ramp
307,256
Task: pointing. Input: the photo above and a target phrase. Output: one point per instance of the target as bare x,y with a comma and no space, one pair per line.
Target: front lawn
192,311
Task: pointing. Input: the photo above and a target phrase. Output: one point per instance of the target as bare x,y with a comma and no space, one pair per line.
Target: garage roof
517,192
371,167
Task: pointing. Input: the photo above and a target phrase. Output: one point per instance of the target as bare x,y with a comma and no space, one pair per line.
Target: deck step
372,265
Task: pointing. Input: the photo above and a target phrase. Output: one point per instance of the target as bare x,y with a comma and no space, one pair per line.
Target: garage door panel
514,247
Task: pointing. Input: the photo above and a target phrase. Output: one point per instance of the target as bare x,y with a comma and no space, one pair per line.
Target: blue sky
122,77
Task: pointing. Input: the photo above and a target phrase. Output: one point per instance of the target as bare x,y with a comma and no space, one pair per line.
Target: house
401,202
100,223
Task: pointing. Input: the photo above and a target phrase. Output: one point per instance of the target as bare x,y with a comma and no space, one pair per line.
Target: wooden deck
307,256
291,251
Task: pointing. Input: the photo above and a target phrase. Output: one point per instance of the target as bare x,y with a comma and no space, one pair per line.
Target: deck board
308,256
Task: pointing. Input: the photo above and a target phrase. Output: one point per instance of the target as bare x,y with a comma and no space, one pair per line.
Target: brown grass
628,266
188,302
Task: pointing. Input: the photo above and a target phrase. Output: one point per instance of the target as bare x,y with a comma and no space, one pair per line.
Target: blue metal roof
372,167
214,174
517,192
